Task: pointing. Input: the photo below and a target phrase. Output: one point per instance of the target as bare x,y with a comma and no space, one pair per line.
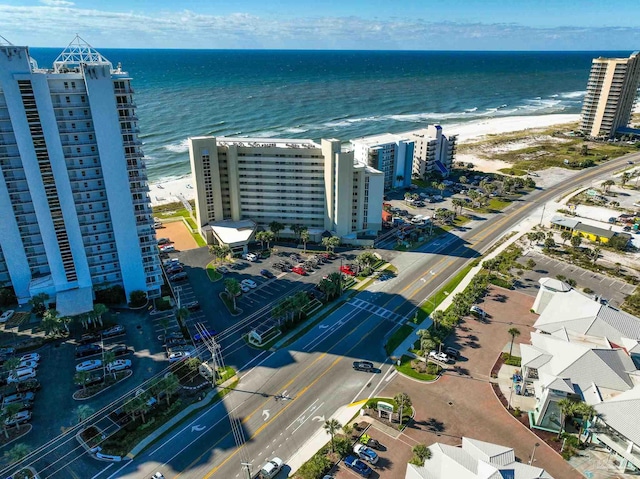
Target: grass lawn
198,239
227,373
427,308
396,338
512,171
406,369
212,273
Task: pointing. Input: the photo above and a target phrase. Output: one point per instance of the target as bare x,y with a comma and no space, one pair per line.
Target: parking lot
611,289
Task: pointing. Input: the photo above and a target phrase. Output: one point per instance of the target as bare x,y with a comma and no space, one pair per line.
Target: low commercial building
473,460
590,232
289,181
586,351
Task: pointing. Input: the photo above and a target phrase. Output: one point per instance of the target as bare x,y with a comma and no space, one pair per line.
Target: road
316,371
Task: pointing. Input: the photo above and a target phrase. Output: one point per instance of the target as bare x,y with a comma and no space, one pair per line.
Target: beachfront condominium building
74,198
292,182
401,156
392,154
612,90
433,152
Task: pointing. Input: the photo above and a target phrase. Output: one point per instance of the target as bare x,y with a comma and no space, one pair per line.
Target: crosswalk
377,310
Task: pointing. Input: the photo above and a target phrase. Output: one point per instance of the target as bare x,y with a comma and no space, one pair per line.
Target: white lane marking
298,418
305,419
100,473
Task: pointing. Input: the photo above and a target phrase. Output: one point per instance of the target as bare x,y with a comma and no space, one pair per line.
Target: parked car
271,468
115,330
167,248
266,273
30,357
346,269
87,350
250,257
363,366
192,306
7,315
442,357
174,269
175,334
20,375
244,288
178,356
171,262
28,364
365,453
453,352
373,443
249,282
119,365
358,466
178,276
90,338
476,311
299,270
89,365
96,377
222,269
18,418
120,350
18,398
175,342
177,349
209,333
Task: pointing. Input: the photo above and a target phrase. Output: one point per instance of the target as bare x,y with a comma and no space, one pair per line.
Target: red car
347,270
299,270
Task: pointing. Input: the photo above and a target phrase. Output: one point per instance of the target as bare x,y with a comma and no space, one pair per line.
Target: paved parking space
462,402
605,286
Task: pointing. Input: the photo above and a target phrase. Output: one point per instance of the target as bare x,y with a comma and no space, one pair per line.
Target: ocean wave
181,147
296,129
573,94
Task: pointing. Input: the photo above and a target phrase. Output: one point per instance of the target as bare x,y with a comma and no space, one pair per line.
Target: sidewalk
320,437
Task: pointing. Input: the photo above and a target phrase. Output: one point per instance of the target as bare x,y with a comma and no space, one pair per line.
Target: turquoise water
338,94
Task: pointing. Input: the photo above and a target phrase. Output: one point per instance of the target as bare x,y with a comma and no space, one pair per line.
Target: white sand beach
169,191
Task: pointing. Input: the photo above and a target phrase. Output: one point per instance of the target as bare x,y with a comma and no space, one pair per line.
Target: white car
249,282
119,365
18,418
244,288
178,356
7,315
442,357
271,468
250,257
20,375
30,357
89,365
28,364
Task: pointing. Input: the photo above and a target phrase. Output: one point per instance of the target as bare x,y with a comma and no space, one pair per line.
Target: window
67,99
66,85
73,84
70,112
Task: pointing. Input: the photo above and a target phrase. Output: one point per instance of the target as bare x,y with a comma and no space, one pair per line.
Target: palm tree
268,238
50,321
514,333
99,309
11,364
171,385
216,251
607,184
164,324
437,317
305,236
576,241
331,242
10,411
81,378
297,229
107,358
595,254
182,315
403,401
625,178
407,196
275,228
83,412
567,408
17,453
458,203
233,289
38,306
332,426
566,236
260,236
421,453
463,179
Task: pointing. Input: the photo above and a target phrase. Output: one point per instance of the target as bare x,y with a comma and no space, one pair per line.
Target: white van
21,374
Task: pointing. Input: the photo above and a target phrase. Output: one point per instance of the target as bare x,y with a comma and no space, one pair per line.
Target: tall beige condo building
291,181
611,94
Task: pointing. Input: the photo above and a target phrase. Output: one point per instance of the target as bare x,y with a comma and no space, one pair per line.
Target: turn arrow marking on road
323,326
265,414
318,418
197,428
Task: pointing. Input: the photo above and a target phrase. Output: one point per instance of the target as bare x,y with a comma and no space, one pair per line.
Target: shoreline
164,192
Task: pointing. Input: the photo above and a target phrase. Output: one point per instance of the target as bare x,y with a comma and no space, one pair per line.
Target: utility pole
542,215
236,426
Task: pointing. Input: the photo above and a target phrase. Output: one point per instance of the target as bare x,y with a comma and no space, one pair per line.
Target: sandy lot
178,233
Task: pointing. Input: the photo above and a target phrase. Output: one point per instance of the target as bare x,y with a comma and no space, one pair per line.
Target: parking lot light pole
533,453
341,276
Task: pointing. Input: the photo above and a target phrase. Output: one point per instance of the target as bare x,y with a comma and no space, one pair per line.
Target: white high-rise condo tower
74,202
611,94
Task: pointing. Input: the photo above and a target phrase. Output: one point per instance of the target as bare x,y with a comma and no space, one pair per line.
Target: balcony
620,446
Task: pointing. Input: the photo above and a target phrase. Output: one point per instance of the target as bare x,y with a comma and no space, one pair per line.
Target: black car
94,378
175,342
90,338
266,273
192,306
363,366
87,350
174,335
120,350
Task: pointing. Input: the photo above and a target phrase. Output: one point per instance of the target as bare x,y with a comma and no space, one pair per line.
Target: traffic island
12,434
109,381
229,303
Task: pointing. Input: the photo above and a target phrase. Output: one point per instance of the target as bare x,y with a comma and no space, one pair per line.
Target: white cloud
59,20
57,3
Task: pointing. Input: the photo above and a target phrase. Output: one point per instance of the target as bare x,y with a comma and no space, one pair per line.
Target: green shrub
137,298
112,295
342,445
587,291
511,360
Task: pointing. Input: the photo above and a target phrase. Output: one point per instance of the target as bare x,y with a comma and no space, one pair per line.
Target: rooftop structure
473,460
392,154
612,90
73,187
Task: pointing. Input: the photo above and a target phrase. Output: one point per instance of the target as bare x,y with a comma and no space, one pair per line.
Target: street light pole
533,453
542,215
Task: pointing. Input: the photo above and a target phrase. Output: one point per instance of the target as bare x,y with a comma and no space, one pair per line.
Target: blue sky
327,24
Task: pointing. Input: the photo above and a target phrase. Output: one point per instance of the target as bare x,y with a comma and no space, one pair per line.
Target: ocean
332,94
